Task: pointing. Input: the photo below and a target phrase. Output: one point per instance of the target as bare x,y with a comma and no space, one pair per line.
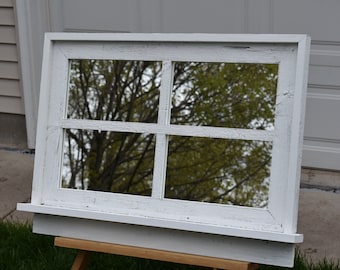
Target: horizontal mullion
179,130
221,132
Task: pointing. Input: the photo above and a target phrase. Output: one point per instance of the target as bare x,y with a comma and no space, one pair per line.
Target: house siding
12,113
10,94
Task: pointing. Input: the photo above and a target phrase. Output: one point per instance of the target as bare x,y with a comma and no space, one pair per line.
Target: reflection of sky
76,156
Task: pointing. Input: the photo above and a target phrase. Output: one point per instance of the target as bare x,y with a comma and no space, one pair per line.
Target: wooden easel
85,248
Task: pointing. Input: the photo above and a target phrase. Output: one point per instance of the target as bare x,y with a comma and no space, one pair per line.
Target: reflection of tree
224,95
227,95
216,170
112,91
202,169
109,161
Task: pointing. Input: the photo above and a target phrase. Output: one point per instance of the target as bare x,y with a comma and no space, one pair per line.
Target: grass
302,263
20,249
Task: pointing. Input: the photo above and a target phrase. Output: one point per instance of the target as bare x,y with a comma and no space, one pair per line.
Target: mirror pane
108,161
233,95
234,172
114,90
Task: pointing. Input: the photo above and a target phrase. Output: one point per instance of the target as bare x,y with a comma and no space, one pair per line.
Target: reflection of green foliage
222,95
200,169
227,95
216,170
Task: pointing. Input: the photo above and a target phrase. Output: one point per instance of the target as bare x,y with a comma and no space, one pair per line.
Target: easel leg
81,260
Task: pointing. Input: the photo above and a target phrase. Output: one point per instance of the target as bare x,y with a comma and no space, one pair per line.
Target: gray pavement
319,210
16,171
319,221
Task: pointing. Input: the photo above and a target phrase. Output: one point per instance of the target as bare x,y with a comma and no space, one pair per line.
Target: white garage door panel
319,18
99,15
321,155
319,125
322,128
324,75
330,57
214,16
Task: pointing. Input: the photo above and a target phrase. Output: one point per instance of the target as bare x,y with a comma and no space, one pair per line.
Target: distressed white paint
277,223
243,249
181,130
164,114
296,132
38,174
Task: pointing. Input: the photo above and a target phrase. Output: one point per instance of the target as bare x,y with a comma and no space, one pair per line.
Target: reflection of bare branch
72,162
84,87
249,177
82,159
137,166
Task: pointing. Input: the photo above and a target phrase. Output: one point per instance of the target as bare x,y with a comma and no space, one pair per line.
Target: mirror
234,172
232,95
108,161
114,90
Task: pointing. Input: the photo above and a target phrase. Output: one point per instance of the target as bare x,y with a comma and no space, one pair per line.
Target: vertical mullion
161,151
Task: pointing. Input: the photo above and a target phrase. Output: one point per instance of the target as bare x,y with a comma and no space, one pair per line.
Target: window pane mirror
108,161
234,95
233,172
114,90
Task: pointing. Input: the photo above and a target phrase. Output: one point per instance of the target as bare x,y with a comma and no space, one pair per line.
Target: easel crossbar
154,254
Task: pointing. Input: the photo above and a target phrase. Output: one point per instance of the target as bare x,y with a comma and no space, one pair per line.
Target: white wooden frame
276,223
